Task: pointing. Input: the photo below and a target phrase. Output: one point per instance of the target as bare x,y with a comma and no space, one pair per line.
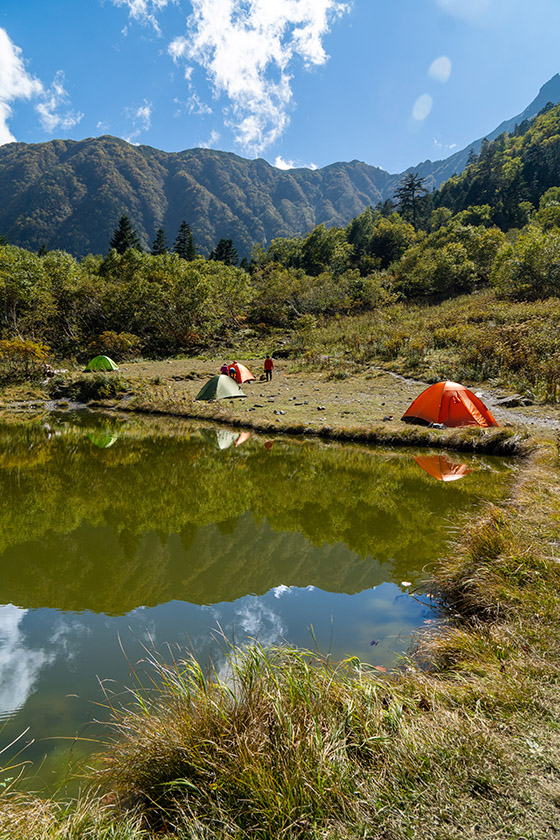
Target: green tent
101,363
220,387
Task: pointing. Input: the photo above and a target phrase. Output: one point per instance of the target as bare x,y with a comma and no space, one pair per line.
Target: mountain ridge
69,194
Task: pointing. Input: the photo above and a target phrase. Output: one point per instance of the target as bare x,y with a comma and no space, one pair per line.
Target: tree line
412,248
124,237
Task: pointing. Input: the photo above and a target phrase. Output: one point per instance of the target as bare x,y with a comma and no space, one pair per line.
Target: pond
121,534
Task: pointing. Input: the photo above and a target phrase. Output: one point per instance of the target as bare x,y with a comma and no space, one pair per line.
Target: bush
22,360
118,346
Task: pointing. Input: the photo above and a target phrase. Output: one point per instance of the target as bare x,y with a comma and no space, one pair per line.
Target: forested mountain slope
70,194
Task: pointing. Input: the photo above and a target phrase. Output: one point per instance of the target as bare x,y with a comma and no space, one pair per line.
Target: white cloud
470,10
49,109
422,107
141,117
15,83
440,69
195,106
280,163
246,48
144,11
445,147
212,140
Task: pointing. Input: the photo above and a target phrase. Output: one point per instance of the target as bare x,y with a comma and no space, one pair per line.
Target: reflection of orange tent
240,373
451,404
242,438
439,467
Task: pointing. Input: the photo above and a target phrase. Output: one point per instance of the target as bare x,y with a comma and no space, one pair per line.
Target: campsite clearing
362,398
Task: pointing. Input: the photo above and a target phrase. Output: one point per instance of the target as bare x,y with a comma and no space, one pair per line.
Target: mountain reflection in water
158,516
138,531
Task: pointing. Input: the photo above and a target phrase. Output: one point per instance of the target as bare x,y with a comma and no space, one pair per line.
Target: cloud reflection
19,666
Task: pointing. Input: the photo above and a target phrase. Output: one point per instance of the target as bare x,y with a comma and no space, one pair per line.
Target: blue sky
298,82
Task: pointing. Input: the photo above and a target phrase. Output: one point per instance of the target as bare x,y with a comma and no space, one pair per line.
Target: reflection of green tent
220,388
102,439
225,438
101,363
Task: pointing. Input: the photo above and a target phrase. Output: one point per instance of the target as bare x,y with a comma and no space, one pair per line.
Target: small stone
320,408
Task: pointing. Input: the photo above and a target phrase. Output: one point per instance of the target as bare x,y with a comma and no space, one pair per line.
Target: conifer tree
42,250
407,193
184,244
225,252
159,245
124,236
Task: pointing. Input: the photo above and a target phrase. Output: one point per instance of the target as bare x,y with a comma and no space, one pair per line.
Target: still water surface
117,533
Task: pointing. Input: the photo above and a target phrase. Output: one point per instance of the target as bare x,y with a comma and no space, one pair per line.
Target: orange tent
439,467
240,373
448,403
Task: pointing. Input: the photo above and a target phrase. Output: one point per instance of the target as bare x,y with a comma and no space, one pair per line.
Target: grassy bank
461,741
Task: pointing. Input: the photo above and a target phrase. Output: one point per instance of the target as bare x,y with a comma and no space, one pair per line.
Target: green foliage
529,269
225,252
124,236
22,360
511,173
408,193
159,245
118,346
184,244
426,270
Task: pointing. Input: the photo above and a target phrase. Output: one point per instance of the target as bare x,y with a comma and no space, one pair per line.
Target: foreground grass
462,741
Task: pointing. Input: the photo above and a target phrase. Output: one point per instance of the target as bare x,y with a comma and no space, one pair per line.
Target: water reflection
162,532
440,467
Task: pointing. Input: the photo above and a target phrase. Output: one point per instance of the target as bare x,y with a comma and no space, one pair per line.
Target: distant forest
497,224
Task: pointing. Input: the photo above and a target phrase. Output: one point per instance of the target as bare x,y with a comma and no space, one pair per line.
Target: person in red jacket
268,365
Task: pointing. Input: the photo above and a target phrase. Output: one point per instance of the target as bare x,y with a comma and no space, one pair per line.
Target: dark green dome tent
101,363
220,387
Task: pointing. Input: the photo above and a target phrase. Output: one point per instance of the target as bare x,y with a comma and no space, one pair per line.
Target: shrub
22,360
118,346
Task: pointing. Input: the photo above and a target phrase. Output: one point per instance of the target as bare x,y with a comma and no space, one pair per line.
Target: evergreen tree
408,193
184,244
472,157
225,252
42,250
124,236
386,208
159,245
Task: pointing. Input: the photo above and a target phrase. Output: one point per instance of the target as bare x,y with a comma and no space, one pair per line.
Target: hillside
438,171
70,194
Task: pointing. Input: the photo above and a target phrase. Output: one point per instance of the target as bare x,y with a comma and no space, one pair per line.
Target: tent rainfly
450,404
101,363
240,373
220,387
